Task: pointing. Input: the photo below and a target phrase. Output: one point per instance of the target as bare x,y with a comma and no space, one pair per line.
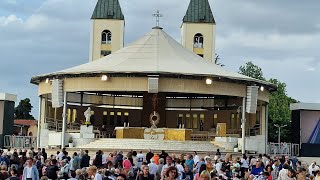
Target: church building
155,81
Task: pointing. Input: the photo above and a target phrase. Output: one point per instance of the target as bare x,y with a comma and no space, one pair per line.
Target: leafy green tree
23,110
251,70
279,103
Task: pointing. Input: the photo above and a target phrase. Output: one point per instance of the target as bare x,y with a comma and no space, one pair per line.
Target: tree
279,103
216,61
23,110
251,70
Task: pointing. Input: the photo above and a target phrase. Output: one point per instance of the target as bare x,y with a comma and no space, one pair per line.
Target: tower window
106,37
105,53
198,41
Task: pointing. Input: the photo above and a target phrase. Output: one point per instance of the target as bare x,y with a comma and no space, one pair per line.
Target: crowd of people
35,165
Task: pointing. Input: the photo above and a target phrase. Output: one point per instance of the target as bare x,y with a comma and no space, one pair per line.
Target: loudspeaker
57,93
153,85
252,99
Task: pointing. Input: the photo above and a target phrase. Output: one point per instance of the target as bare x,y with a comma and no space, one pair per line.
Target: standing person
98,159
180,168
153,167
201,125
159,168
14,175
85,159
218,153
163,155
30,172
141,159
190,162
196,158
244,165
134,158
171,173
44,154
75,162
167,165
93,173
126,164
146,174
149,156
52,170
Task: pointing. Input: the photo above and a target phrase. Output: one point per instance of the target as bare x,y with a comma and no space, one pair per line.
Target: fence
11,141
287,149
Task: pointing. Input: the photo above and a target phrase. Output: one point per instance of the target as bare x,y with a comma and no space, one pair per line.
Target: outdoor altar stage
153,133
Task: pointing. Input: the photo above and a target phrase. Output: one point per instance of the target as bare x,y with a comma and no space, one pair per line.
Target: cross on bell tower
158,16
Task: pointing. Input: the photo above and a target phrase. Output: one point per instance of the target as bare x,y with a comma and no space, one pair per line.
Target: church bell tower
198,29
107,29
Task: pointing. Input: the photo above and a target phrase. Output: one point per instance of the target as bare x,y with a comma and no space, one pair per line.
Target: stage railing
22,142
287,149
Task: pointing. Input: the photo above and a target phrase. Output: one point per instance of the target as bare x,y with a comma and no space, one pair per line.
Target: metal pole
64,119
279,135
243,126
39,122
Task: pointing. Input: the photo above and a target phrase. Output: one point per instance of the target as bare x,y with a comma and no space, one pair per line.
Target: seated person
258,169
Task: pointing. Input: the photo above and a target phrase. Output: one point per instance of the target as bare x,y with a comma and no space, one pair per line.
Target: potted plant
235,148
70,142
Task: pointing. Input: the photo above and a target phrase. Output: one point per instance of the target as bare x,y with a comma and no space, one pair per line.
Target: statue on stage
88,114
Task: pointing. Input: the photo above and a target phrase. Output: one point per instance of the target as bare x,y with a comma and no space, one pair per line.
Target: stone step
142,144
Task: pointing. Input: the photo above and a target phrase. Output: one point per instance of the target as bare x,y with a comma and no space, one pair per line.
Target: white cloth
104,159
218,167
313,169
180,170
244,163
29,172
283,174
141,159
153,168
60,156
97,177
196,159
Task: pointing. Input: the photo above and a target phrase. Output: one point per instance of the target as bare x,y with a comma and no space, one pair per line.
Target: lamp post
279,130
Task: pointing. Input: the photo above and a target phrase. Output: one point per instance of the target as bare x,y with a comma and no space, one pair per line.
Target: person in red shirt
126,164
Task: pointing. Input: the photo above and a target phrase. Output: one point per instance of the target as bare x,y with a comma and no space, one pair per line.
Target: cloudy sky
282,37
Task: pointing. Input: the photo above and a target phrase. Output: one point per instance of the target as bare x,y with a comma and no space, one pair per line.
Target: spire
107,9
199,11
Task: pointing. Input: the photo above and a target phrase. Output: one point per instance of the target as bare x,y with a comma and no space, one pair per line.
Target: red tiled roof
25,122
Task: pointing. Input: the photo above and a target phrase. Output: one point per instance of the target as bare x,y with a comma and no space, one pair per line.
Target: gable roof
199,11
154,53
107,9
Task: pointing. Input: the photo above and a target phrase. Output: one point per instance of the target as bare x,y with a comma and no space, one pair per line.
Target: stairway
143,144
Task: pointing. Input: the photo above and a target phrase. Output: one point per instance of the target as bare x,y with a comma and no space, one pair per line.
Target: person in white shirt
153,167
313,168
93,173
196,158
179,168
61,154
141,158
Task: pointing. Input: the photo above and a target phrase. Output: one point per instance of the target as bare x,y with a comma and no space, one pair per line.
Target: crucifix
158,16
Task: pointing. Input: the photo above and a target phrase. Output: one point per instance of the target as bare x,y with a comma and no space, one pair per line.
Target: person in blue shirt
258,169
190,162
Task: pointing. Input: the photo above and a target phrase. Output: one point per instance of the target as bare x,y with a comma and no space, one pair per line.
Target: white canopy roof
154,53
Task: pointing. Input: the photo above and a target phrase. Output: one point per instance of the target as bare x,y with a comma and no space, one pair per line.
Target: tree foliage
251,70
279,103
23,110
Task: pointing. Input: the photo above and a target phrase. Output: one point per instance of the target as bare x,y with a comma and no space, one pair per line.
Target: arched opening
106,37
198,41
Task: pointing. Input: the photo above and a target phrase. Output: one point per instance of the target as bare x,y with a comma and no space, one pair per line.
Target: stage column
64,119
243,125
39,122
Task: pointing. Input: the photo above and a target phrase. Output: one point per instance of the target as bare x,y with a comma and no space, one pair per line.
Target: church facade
154,79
